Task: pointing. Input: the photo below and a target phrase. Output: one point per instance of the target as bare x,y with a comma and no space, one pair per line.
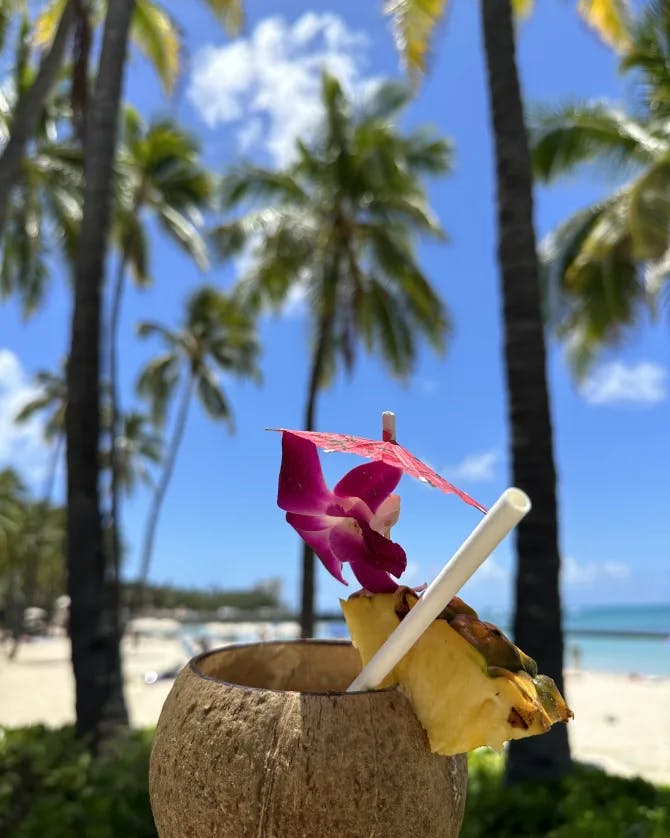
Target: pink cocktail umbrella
389,451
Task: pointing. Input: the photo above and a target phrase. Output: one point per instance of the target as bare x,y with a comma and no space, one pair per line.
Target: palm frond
564,138
186,234
649,54
156,35
336,124
412,211
229,12
157,383
593,286
132,243
212,397
394,259
649,212
385,101
148,328
426,153
250,183
609,20
46,22
384,322
414,23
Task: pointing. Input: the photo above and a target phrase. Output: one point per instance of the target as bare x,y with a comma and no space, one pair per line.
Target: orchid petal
359,543
384,553
386,515
372,482
301,487
319,541
312,523
373,580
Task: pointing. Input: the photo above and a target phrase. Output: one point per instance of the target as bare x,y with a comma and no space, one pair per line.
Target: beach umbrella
389,451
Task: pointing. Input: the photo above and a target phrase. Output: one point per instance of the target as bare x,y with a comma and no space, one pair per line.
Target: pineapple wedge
468,684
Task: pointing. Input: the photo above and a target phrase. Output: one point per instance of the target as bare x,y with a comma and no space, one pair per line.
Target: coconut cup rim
193,666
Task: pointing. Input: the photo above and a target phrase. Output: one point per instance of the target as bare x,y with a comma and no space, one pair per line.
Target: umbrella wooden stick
502,517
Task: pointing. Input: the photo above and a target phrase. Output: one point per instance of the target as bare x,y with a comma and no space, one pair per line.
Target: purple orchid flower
350,524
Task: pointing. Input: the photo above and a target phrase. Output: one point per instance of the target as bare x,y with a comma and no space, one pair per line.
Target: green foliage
339,226
609,262
166,596
51,786
587,804
159,174
32,548
218,336
157,36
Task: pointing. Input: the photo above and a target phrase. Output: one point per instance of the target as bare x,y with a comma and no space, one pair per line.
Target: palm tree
536,628
609,262
338,225
218,336
158,173
94,628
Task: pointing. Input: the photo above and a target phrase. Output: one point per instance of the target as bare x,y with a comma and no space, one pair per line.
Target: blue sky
220,525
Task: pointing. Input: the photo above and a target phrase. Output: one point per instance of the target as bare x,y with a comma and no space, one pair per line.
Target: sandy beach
621,722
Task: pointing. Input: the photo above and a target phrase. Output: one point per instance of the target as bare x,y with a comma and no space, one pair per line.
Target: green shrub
50,787
587,804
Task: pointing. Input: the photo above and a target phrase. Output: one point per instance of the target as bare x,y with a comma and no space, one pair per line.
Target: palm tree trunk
29,110
308,586
537,619
94,624
115,411
161,488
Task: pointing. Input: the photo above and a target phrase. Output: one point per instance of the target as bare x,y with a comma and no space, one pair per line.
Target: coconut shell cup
261,740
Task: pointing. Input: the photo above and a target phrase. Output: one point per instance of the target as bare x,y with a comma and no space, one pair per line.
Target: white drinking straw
502,517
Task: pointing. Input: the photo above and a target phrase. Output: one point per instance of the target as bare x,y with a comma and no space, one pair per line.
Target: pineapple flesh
469,685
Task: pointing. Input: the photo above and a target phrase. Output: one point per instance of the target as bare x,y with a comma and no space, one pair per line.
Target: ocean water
630,651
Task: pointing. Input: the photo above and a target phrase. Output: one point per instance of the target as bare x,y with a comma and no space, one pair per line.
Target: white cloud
21,446
616,383
269,82
477,468
576,574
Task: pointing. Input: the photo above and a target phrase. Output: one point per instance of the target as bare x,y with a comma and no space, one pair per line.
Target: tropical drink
315,738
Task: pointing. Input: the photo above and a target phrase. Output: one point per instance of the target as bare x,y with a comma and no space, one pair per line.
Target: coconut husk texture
261,740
